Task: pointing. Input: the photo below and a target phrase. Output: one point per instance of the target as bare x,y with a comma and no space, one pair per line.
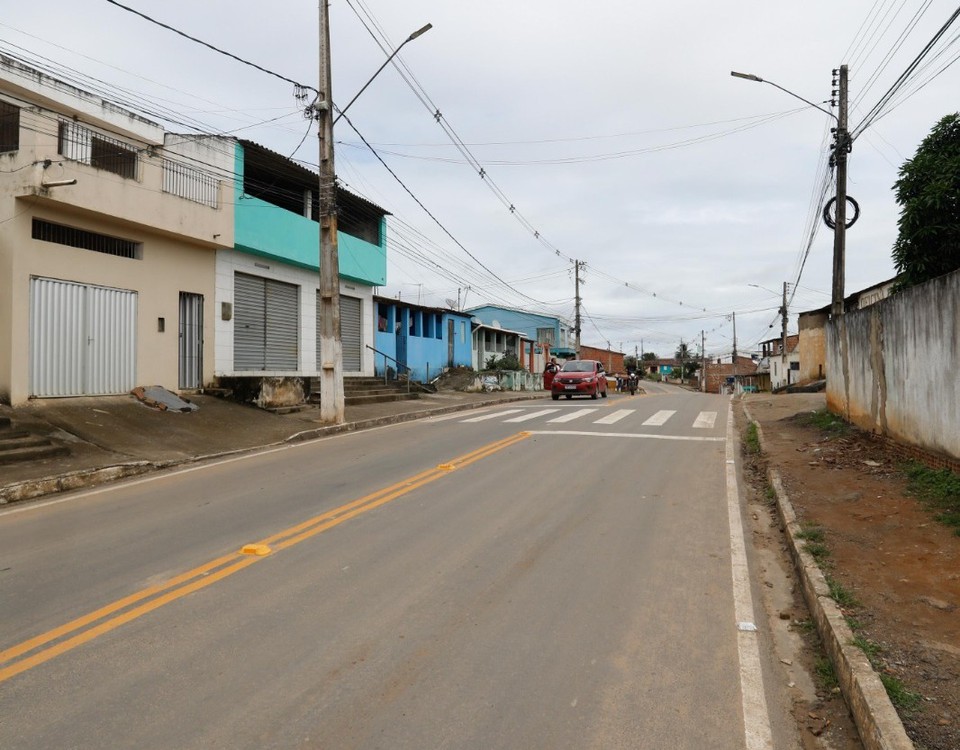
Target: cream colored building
109,228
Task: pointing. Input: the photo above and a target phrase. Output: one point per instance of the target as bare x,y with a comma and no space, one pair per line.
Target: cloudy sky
612,129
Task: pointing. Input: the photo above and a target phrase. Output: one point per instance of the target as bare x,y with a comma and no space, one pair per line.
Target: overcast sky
613,129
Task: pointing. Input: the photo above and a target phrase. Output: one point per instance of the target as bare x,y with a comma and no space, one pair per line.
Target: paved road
551,575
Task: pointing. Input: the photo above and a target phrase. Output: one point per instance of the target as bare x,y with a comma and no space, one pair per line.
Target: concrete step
35,453
4,423
381,399
11,440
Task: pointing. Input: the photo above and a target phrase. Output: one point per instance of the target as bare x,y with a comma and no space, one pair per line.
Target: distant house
494,341
660,367
419,341
725,377
543,334
612,361
812,345
783,366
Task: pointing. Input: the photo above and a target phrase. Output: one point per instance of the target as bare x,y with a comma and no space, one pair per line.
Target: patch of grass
751,439
937,489
854,623
818,551
811,533
841,595
902,698
869,648
770,494
825,422
807,626
826,676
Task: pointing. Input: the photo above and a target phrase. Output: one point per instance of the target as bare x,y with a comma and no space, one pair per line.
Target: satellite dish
451,303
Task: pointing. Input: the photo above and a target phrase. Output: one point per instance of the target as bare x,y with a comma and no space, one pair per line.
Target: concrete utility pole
329,357
842,147
576,298
783,340
736,363
703,362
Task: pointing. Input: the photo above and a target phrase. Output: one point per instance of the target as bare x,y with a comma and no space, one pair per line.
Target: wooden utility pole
841,149
736,362
329,358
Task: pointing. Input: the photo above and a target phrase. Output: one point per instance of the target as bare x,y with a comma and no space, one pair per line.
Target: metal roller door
83,339
351,338
265,324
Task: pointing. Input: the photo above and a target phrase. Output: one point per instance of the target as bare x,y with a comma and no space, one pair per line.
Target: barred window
81,144
47,231
9,126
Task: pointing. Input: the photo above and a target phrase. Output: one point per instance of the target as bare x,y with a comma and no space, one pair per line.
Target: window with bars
79,143
9,126
190,183
47,231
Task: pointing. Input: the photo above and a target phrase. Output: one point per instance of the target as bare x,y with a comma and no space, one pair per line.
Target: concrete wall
813,346
612,361
894,366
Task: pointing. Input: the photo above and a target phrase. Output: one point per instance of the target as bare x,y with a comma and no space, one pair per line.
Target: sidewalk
117,436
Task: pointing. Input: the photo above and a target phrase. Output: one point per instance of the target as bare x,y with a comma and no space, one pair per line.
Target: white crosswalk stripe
531,415
615,417
572,416
659,418
492,416
705,420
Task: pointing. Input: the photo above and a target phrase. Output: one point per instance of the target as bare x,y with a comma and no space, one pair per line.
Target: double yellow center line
46,646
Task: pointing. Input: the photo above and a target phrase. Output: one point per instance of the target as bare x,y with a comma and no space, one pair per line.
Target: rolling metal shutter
266,324
83,339
351,338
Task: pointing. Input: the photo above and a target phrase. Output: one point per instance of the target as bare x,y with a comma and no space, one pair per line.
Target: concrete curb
876,719
32,489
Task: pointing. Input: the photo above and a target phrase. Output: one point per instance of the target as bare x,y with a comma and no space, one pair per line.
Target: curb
32,489
876,719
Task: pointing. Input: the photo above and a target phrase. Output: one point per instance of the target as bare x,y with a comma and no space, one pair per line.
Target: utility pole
329,357
842,147
703,361
576,298
783,340
736,363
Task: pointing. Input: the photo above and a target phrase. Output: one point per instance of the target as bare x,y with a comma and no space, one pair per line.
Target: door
266,324
83,339
191,340
450,342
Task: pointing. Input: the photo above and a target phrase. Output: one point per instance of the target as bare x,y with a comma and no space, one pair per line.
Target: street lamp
414,35
330,356
842,147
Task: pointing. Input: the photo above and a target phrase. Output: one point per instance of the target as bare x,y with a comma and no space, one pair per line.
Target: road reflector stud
255,549
446,467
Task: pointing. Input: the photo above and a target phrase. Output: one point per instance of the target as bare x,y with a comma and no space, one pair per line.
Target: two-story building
268,284
110,233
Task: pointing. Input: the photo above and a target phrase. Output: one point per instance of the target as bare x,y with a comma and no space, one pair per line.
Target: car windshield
578,366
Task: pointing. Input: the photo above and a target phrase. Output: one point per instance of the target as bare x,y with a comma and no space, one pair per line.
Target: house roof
414,305
850,301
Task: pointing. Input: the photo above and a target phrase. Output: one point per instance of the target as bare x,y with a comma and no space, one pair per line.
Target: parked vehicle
580,377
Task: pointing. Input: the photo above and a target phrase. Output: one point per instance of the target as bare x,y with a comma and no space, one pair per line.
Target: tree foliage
508,361
928,192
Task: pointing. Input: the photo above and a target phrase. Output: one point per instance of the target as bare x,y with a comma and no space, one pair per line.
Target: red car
580,377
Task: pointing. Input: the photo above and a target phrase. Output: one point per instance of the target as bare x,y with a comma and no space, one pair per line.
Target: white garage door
83,339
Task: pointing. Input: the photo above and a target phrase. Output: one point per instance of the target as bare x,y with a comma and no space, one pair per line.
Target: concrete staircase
17,446
359,391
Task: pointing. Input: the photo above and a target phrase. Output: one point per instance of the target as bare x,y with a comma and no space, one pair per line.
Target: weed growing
902,698
826,675
937,489
752,439
811,533
842,596
825,422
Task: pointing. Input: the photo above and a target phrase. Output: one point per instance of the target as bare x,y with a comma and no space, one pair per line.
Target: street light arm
414,35
758,79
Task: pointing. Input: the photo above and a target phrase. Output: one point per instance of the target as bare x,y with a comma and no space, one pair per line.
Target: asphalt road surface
563,574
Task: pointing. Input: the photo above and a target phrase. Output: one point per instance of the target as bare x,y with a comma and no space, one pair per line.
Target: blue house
541,330
267,285
418,339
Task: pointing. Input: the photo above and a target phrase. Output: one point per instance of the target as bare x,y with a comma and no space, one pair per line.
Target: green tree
928,192
648,356
630,362
508,361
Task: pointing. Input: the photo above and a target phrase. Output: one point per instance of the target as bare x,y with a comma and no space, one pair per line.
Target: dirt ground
884,547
